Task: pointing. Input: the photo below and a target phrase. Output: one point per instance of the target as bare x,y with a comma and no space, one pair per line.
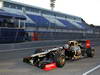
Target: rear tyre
90,52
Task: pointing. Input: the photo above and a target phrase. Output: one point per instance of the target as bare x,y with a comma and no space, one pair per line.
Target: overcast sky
89,10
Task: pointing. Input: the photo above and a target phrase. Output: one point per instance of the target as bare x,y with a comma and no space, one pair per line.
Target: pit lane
11,64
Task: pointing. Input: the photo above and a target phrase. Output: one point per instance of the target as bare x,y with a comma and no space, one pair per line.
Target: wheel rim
92,52
62,61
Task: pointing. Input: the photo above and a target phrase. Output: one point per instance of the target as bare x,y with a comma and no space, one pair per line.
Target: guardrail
38,44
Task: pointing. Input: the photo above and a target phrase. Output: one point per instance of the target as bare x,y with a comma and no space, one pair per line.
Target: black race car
48,59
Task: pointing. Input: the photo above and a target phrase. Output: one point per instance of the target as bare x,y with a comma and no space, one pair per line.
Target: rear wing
86,43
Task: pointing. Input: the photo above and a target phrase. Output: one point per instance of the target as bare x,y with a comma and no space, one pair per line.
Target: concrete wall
38,44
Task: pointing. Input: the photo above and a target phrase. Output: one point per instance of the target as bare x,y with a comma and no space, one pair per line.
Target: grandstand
41,24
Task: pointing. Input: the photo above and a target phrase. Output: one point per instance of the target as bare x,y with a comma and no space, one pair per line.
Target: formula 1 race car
48,59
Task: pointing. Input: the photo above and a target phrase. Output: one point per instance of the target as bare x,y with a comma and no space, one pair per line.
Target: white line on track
86,73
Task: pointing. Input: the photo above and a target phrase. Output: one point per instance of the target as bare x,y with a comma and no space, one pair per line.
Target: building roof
26,5
11,15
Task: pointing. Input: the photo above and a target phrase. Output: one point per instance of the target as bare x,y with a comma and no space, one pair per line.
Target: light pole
52,5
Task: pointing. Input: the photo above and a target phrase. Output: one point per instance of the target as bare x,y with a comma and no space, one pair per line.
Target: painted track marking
86,73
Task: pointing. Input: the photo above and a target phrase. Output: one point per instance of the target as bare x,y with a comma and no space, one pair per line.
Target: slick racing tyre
60,60
90,52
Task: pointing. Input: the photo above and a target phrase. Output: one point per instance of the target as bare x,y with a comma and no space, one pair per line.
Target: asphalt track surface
11,64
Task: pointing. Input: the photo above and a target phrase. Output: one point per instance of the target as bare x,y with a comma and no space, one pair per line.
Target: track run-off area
11,63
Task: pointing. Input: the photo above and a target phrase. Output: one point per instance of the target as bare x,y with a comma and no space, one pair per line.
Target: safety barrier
38,44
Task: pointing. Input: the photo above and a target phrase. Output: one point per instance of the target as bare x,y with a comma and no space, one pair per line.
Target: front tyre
60,60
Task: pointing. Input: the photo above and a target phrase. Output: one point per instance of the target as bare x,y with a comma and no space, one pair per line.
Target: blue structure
9,31
28,22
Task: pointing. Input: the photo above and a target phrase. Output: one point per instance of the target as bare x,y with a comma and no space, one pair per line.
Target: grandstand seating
40,21
83,25
55,21
43,21
68,24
